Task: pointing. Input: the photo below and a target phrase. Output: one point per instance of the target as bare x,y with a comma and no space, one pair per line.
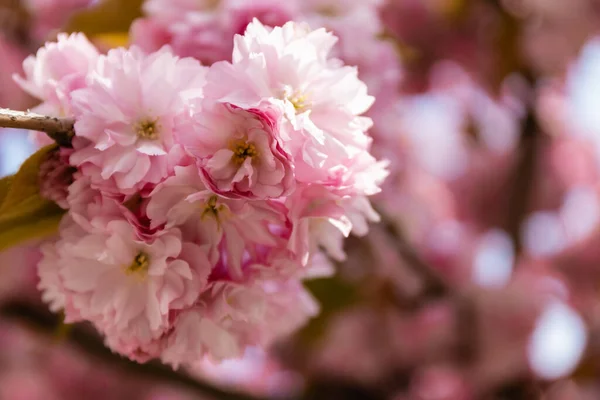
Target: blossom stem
58,129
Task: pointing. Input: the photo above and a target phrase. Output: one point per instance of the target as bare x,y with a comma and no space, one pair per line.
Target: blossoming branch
196,199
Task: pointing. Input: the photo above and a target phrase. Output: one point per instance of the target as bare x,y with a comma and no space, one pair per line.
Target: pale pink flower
48,268
127,116
258,372
358,25
240,13
93,210
192,28
322,99
235,227
50,284
171,10
236,316
148,34
56,70
238,151
204,29
125,286
202,36
323,219
196,335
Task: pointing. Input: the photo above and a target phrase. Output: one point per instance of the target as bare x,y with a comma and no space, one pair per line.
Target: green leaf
15,232
108,16
334,295
25,183
4,185
24,214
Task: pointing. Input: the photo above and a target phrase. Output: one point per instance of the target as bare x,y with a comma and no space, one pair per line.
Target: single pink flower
322,99
56,71
125,286
125,118
323,219
234,316
204,29
238,151
232,229
240,13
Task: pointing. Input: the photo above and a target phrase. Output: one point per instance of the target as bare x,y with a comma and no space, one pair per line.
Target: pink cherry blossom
235,316
239,151
56,70
204,29
199,198
323,219
322,100
270,12
234,227
129,126
50,283
127,287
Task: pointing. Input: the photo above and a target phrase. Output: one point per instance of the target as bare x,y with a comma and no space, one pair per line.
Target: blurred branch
435,285
512,61
58,129
523,179
43,321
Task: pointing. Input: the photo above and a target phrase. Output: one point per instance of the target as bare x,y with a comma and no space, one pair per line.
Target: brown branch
81,337
58,129
523,179
524,173
434,283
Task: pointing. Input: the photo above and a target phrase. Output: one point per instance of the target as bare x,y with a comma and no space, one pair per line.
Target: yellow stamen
147,129
298,99
212,208
139,265
242,150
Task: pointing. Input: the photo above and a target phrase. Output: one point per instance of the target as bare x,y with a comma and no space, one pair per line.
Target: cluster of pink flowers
202,191
203,29
199,197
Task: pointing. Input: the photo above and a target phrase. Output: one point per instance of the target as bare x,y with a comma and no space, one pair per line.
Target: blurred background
482,280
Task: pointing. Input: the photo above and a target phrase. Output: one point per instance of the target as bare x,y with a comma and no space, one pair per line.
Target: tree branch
58,129
434,283
523,179
524,173
82,338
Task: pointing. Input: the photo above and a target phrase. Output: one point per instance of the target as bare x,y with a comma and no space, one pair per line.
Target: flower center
139,265
212,208
242,150
147,129
298,99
